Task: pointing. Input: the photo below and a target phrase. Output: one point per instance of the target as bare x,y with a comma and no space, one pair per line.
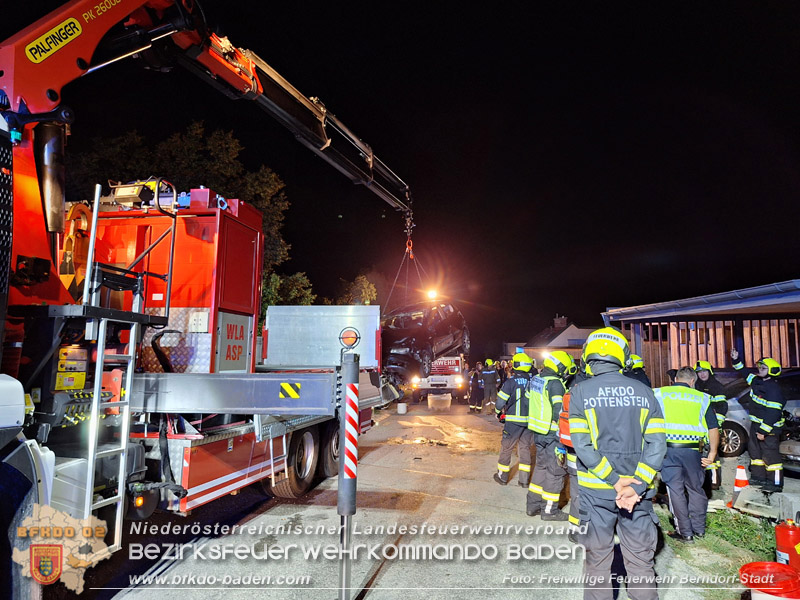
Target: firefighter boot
555,515
501,478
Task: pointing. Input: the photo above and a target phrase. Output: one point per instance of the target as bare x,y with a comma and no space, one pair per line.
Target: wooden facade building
760,321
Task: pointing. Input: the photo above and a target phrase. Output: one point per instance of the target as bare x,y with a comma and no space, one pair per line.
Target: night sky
563,157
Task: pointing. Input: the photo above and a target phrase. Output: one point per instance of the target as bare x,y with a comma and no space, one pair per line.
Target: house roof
545,336
774,298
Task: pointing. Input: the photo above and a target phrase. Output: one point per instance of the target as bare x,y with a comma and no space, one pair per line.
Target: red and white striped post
349,429
352,430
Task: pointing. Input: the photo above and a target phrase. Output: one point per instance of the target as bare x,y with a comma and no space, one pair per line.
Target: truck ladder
99,276
95,453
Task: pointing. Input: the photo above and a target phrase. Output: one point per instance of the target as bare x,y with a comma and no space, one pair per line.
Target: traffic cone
740,483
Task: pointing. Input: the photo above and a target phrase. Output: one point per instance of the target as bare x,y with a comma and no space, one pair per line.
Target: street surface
424,482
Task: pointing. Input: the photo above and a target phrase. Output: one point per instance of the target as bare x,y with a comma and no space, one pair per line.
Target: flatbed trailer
255,447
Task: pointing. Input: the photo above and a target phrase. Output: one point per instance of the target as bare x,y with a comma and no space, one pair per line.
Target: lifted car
416,335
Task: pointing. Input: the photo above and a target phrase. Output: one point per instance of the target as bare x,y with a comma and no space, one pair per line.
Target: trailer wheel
329,456
301,464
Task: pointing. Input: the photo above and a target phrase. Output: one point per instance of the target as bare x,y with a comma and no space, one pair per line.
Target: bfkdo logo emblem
46,562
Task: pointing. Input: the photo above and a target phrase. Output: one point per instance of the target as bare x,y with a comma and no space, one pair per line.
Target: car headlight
399,351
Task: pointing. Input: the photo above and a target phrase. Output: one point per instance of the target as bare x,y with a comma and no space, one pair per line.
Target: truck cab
446,383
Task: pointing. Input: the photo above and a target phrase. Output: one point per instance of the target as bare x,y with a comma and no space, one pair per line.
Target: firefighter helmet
561,363
637,362
703,365
522,362
489,362
607,344
772,365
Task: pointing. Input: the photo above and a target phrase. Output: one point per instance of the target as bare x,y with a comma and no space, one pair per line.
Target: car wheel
465,343
733,440
425,364
301,464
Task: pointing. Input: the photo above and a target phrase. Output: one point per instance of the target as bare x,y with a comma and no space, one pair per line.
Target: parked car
736,428
416,335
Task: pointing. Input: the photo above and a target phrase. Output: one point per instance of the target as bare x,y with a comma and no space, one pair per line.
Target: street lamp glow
432,294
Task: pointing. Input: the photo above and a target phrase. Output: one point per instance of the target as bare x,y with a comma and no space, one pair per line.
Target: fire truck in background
447,383
129,376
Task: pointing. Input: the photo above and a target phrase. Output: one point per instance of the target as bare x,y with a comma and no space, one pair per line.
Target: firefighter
689,419
489,376
636,370
708,383
512,410
571,459
617,429
766,416
544,406
476,388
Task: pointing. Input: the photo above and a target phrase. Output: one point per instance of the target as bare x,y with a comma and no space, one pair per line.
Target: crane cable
408,255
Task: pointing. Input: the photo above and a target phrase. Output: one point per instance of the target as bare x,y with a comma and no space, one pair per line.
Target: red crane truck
128,365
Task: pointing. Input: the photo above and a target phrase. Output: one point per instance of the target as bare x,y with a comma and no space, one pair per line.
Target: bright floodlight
432,294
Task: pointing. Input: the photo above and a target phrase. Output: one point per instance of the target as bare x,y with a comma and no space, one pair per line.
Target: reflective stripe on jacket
544,403
489,376
684,411
513,398
617,429
768,402
563,421
719,401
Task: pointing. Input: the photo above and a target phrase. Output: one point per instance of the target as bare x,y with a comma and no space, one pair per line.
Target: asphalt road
430,523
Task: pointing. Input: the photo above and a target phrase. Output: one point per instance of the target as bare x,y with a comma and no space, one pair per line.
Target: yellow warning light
349,337
138,502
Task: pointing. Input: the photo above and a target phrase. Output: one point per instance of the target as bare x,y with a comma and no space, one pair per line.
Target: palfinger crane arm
83,36
61,47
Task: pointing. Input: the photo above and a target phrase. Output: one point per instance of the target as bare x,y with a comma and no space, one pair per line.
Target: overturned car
414,336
